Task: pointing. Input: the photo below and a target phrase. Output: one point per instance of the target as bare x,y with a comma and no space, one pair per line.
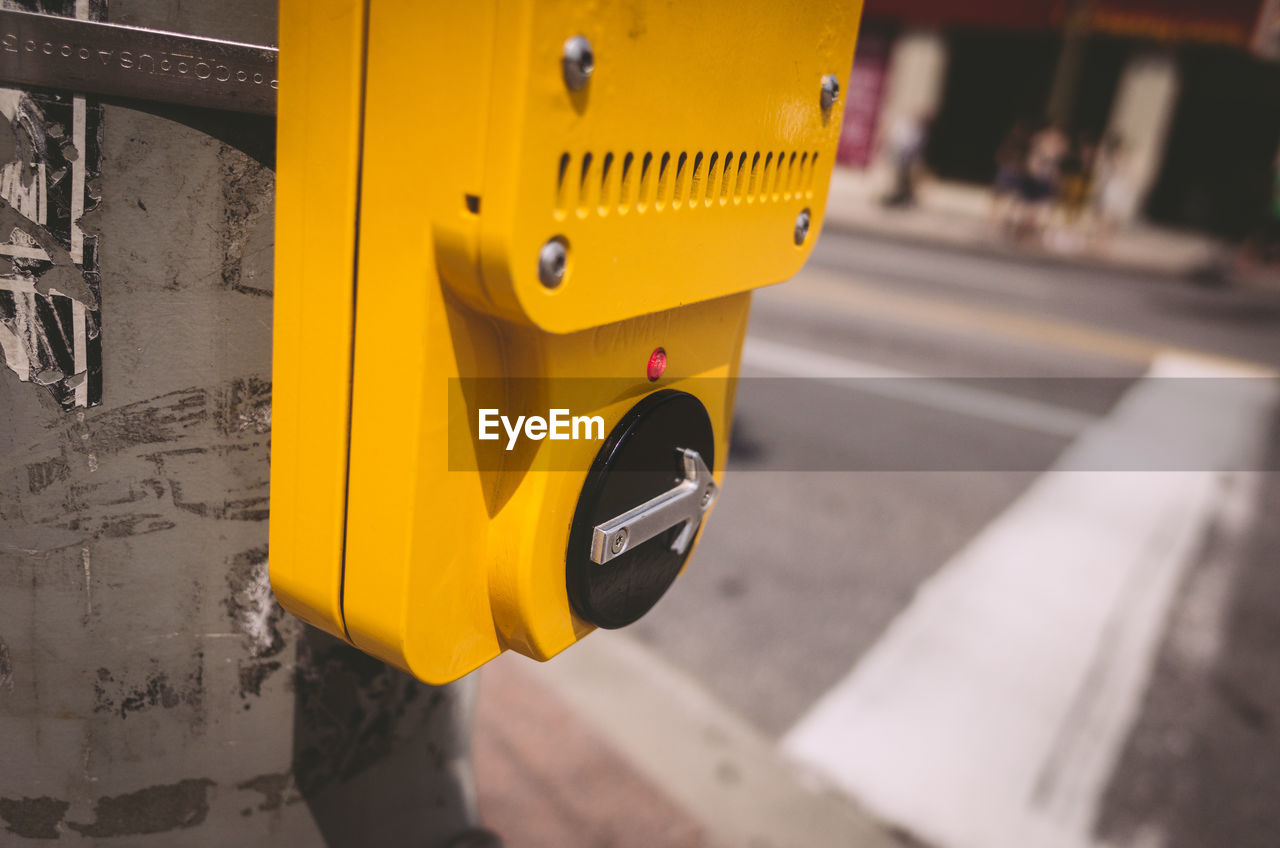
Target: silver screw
802,226
706,496
830,92
578,61
619,540
553,259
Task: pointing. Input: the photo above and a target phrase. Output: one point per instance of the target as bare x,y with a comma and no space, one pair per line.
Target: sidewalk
609,746
547,780
957,215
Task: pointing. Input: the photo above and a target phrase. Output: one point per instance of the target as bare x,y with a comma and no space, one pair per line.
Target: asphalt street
905,588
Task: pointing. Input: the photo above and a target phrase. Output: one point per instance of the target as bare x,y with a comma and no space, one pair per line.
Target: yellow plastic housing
426,153
676,174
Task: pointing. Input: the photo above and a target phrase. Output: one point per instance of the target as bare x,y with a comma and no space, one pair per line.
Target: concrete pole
150,687
1066,75
916,76
1146,97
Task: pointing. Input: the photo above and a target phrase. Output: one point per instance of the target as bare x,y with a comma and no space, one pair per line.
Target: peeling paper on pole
50,304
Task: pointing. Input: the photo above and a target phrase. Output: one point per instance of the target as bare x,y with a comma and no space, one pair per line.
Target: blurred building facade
1189,88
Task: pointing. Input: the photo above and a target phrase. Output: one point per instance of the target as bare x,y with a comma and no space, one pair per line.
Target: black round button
638,461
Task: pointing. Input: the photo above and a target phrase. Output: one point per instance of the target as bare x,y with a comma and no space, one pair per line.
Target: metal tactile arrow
683,504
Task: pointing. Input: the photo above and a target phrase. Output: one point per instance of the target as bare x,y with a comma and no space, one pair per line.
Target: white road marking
994,708
947,395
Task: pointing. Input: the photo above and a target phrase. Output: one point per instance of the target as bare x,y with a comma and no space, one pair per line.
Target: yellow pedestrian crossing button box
515,245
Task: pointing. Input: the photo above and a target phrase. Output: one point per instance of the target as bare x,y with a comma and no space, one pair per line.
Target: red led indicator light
657,364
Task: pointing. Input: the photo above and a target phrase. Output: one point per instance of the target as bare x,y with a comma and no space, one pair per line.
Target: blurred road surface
1148,717
972,644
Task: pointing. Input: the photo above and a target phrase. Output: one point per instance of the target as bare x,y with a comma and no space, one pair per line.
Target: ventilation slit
709,193
624,192
610,183
646,171
562,188
682,182
584,185
726,177
664,179
607,194
697,181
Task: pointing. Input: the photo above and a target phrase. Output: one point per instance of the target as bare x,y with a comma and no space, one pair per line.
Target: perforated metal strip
123,61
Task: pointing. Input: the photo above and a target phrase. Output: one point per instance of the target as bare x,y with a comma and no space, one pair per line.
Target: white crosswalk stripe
993,710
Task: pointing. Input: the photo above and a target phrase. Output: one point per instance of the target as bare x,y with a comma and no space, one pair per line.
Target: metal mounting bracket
93,57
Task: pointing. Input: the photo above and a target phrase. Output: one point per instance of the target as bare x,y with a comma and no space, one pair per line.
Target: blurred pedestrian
1045,153
1076,181
1011,158
906,143
1068,231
